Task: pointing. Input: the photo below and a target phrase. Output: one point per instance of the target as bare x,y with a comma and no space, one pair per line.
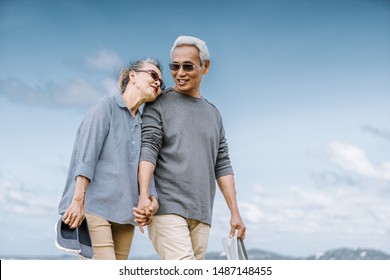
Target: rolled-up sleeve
152,132
223,165
91,135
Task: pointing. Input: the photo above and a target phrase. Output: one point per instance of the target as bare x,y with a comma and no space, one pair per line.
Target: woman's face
148,81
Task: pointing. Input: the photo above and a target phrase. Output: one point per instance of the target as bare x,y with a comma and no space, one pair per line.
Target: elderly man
184,146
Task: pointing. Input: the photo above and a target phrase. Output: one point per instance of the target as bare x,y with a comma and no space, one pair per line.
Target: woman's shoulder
109,101
103,105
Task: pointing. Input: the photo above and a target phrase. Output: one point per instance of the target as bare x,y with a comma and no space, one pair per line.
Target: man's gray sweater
185,139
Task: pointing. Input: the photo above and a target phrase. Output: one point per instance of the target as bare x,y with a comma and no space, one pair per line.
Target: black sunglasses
187,67
154,76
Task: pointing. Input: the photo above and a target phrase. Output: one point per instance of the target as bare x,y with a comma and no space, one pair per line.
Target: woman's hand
75,214
145,210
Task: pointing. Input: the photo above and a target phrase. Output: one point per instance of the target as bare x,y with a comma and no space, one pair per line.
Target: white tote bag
234,248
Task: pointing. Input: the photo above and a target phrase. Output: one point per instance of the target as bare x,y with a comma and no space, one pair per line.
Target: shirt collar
121,103
120,100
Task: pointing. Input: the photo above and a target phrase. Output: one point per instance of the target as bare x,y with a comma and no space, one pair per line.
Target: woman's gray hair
192,41
136,65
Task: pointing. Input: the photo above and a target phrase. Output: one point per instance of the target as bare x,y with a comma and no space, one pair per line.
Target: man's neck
193,93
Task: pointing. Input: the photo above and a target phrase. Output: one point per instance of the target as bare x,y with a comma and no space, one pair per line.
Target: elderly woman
102,185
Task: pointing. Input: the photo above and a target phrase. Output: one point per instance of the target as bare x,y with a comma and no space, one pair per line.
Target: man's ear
206,67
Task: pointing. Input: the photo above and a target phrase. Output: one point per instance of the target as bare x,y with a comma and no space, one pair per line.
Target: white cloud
76,92
385,171
110,86
104,60
354,160
383,133
316,199
329,217
252,212
331,178
14,200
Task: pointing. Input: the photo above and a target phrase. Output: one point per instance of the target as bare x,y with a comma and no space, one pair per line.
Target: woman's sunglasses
187,67
154,76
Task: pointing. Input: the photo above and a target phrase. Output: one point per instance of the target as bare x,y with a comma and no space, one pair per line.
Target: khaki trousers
110,241
178,238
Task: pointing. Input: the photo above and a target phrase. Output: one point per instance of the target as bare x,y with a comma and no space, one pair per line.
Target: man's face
188,82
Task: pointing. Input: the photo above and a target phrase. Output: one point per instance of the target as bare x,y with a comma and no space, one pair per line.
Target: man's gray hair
193,41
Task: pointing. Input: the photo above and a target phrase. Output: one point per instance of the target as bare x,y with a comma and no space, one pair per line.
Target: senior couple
158,169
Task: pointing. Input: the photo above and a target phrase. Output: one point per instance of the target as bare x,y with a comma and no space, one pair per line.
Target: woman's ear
132,76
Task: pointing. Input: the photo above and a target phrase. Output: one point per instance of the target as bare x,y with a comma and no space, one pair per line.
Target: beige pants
110,241
178,238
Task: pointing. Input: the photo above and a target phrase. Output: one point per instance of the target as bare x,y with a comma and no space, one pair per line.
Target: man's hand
145,210
153,205
236,223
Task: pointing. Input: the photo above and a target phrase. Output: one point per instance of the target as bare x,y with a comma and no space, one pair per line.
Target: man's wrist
144,196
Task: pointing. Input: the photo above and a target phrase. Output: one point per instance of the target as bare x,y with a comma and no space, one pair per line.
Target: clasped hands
147,207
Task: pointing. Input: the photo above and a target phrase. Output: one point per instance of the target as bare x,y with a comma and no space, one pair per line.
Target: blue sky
303,88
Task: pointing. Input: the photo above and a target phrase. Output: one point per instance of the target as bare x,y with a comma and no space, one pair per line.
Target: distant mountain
253,254
350,254
336,254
